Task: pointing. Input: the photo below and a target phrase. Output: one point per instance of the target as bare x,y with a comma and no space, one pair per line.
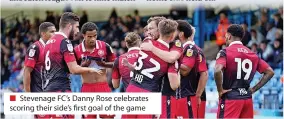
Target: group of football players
166,61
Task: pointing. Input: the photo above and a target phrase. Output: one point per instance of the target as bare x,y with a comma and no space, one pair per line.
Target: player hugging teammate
166,61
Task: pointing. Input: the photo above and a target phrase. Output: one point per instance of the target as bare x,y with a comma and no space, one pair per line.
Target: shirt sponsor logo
189,52
242,91
178,43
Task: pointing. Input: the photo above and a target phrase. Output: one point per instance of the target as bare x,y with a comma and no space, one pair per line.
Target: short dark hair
43,27
184,27
236,30
68,17
89,26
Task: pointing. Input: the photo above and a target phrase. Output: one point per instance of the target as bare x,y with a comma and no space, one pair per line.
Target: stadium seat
274,90
75,83
279,85
5,84
265,91
277,72
280,98
256,105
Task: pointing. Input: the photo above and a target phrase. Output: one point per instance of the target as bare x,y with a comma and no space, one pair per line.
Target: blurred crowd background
263,34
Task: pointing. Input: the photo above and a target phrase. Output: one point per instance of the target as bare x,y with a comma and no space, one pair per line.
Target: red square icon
12,98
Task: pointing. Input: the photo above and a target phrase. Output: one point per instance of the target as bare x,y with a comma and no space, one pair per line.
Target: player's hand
27,89
94,70
101,63
223,92
148,38
147,46
85,63
251,90
125,62
198,100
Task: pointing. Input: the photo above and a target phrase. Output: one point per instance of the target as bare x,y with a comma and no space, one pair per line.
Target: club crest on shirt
189,52
31,53
101,53
70,47
178,43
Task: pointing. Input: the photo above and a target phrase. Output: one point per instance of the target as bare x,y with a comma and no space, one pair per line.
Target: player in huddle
60,58
95,54
194,76
150,69
171,56
234,70
133,42
34,59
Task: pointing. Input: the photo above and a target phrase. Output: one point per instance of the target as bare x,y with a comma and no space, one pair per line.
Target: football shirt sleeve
67,50
177,46
262,66
221,58
115,70
173,68
110,53
189,57
31,56
77,54
202,63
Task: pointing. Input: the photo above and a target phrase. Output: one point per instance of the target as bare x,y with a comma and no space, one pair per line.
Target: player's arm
105,64
115,74
268,73
27,78
184,70
128,65
167,56
174,77
110,58
109,76
66,49
202,69
202,83
74,68
188,61
218,76
219,66
174,80
30,61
